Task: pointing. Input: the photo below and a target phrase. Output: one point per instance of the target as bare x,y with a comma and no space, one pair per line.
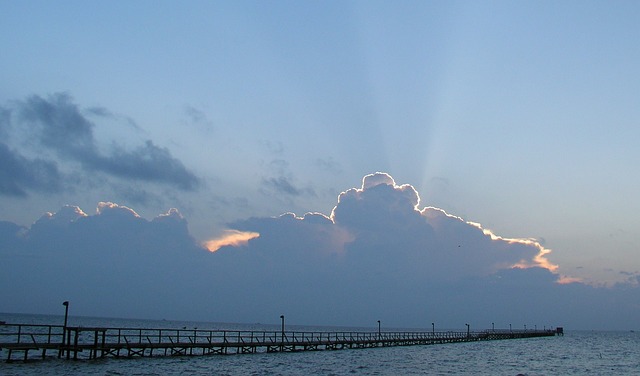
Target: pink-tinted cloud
230,238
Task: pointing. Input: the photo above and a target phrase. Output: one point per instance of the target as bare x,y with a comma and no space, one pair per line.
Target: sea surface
575,353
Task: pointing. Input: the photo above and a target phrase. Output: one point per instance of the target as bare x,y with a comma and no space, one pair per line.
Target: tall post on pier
468,333
282,333
66,312
379,333
64,327
493,327
282,325
433,328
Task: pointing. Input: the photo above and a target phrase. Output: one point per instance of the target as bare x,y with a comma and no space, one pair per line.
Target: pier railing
100,342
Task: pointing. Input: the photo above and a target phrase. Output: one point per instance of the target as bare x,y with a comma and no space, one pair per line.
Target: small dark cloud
275,148
147,163
283,186
58,124
106,113
278,166
439,180
329,165
99,111
198,119
18,175
279,180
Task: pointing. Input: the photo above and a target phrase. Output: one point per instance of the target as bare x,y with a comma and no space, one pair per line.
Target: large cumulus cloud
108,262
381,225
377,256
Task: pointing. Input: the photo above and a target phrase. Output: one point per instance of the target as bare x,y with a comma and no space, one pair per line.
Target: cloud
378,256
329,165
5,122
380,252
233,238
103,112
59,125
18,174
103,261
137,195
300,239
148,163
11,238
198,119
387,223
281,182
282,185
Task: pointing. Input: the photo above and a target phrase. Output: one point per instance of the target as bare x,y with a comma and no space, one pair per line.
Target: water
577,353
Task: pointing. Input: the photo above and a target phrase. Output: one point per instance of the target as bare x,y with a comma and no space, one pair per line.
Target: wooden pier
25,342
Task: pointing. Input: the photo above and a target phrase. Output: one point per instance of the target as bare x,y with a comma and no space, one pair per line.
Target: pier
25,342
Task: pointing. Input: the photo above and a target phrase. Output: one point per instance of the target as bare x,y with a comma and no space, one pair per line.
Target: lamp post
379,334
282,325
525,327
433,329
510,327
493,327
282,333
64,327
467,329
66,312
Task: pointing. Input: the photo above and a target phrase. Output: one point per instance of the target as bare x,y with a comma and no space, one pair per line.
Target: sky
449,152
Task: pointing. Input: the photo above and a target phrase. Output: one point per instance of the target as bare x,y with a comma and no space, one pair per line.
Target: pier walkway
24,342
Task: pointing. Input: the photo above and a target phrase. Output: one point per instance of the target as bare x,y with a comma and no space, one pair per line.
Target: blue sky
520,116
